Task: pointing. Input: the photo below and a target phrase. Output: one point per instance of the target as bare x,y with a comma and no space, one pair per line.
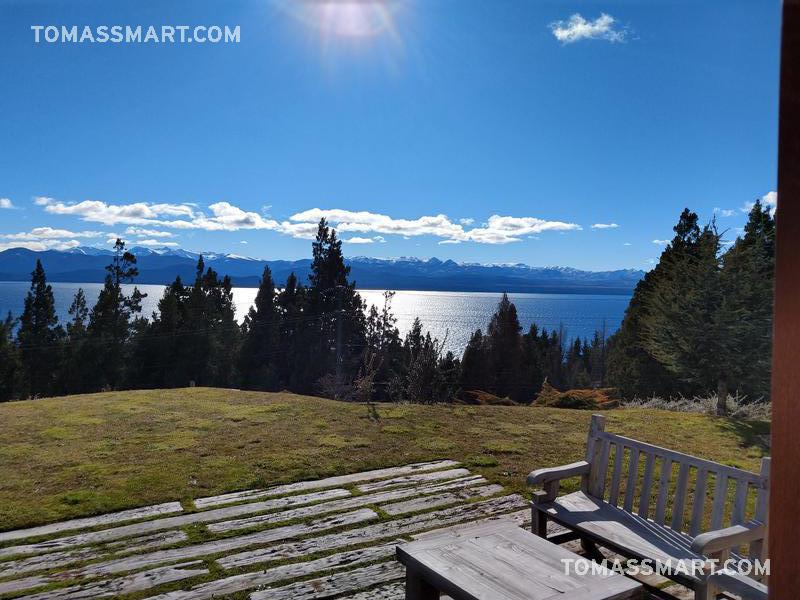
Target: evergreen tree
532,375
385,350
474,364
686,329
631,367
505,351
9,359
73,371
210,330
39,337
259,347
161,350
340,327
295,336
110,326
747,298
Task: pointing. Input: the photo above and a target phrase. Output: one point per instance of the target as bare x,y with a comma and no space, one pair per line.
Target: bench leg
705,591
590,550
419,589
538,521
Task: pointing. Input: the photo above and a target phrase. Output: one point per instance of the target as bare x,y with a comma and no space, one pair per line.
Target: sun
346,18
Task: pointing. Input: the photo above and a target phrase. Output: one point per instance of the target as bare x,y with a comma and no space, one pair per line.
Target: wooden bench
650,503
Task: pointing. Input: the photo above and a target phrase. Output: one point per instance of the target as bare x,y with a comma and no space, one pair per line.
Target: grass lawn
81,455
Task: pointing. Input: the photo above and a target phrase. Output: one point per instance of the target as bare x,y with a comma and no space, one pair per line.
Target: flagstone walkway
327,538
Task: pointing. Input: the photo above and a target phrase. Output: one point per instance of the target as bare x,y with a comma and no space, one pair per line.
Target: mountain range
162,265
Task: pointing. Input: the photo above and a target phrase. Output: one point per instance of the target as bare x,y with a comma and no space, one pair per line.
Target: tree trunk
722,397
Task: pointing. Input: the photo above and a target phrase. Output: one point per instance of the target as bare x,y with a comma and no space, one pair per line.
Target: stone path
328,538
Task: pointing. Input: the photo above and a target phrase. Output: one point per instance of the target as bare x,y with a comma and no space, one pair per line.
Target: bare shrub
738,406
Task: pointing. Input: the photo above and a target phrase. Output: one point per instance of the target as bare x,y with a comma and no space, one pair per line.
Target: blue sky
488,131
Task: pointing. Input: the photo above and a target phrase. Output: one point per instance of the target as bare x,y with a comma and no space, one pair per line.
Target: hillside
80,455
161,266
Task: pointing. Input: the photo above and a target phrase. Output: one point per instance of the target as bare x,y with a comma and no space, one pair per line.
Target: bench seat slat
632,534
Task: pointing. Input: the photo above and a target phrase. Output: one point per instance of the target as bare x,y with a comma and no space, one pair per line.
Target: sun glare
346,18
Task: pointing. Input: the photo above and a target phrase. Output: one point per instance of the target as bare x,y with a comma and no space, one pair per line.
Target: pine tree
259,348
161,349
474,364
686,329
746,280
532,375
339,310
630,366
295,336
385,350
505,351
73,373
9,359
110,326
39,337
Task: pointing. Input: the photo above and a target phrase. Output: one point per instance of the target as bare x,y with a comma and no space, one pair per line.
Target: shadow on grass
751,434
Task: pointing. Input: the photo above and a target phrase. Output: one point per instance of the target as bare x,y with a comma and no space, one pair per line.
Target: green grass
82,455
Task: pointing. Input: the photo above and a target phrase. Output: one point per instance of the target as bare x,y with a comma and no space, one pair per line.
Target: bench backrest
684,492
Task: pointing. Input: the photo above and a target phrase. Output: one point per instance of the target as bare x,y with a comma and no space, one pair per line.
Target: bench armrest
719,540
543,476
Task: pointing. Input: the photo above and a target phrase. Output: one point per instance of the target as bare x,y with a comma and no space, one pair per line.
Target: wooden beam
784,581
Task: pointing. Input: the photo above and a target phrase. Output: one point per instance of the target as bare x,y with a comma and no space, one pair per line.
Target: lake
447,315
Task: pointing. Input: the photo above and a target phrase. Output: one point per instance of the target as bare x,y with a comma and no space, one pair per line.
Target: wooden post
784,580
538,517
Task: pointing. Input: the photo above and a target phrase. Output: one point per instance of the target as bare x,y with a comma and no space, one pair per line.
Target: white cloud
466,221
503,230
626,244
223,216
141,232
359,240
367,222
243,242
48,233
605,226
661,242
155,244
43,200
769,200
6,203
724,212
497,230
578,28
41,245
138,213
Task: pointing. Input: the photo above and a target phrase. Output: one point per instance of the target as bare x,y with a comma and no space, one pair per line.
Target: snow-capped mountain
162,265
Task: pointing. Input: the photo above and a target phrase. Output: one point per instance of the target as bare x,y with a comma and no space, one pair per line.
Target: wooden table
502,561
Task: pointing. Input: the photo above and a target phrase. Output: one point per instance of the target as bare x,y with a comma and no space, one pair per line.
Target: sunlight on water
450,316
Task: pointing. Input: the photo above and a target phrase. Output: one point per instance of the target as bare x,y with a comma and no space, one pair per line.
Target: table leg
419,589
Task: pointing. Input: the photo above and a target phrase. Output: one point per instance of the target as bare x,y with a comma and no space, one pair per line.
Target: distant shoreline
252,282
